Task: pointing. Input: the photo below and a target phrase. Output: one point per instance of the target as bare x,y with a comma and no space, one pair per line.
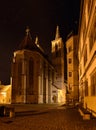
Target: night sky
42,17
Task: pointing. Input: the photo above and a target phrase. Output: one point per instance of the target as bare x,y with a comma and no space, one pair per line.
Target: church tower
57,50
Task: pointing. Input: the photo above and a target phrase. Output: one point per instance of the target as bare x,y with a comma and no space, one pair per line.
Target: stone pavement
51,118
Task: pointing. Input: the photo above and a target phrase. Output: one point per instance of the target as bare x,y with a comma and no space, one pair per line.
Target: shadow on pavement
30,113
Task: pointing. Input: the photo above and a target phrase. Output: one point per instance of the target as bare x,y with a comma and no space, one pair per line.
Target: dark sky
42,17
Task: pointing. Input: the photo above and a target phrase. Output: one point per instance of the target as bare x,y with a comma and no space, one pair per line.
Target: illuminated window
93,84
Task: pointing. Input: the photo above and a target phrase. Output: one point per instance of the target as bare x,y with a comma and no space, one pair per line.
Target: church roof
29,45
27,41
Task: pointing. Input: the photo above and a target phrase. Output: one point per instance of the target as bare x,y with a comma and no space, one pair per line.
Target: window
70,74
31,75
70,60
53,91
93,84
70,49
19,76
56,50
20,67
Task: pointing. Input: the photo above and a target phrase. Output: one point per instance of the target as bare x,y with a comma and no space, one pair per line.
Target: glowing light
4,93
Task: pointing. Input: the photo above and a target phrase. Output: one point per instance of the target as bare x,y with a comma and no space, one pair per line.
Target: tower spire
27,30
27,41
57,33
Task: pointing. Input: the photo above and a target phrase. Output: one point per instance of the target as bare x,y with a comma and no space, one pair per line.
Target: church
34,78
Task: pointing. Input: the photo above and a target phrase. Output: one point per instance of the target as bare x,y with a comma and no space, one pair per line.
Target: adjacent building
87,55
5,94
72,68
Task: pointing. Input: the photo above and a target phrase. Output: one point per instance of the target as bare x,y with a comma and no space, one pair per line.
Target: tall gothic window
56,50
20,77
31,75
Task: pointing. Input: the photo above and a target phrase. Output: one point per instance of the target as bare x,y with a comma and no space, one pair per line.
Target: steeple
27,41
57,33
27,30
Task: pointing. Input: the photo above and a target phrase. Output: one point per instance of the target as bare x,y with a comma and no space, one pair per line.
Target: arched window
31,75
20,76
56,50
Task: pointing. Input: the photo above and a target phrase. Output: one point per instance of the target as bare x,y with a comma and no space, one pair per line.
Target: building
34,78
5,94
72,68
31,73
87,55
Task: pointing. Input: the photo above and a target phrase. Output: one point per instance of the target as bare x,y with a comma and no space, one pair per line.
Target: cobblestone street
58,118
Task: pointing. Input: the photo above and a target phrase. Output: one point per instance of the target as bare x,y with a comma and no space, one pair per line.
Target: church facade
34,77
